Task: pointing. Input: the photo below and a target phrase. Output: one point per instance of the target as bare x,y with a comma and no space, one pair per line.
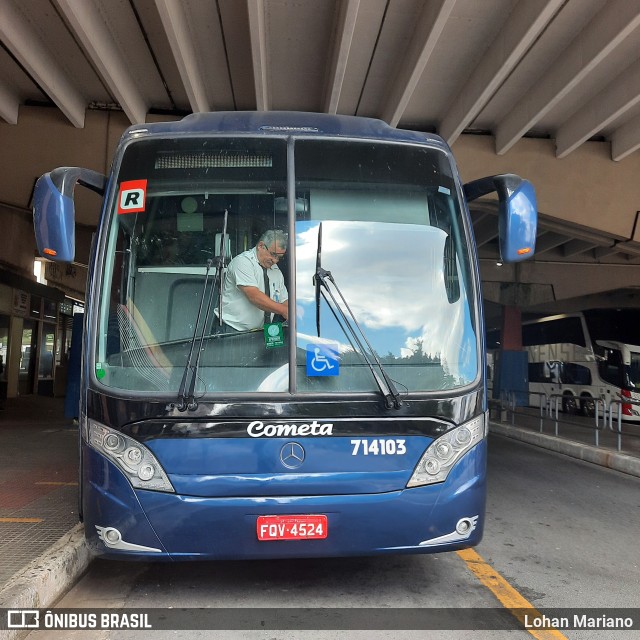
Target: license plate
303,527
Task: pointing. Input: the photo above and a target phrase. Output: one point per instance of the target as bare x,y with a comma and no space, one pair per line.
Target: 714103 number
378,447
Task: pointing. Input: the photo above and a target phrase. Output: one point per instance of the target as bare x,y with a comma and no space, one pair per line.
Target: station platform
42,551
41,545
38,479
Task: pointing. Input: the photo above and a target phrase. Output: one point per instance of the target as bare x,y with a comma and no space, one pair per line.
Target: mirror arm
65,179
478,188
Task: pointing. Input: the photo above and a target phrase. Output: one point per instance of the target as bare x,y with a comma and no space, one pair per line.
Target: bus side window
539,372
576,374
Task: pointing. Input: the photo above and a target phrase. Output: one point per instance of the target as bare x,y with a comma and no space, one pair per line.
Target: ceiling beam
571,230
549,240
615,22
99,43
613,101
258,38
629,247
176,27
625,139
600,253
479,215
576,247
345,26
485,230
26,45
9,105
526,21
430,25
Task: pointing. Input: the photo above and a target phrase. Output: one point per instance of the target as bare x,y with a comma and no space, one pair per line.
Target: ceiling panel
406,61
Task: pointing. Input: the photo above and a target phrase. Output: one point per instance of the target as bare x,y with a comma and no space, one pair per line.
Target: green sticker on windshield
273,335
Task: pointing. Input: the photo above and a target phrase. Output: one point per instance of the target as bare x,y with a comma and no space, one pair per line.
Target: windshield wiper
349,324
186,393
316,279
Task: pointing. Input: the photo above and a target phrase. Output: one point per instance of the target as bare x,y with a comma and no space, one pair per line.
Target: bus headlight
443,453
134,459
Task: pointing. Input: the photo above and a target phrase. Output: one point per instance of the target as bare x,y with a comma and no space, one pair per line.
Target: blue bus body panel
284,122
165,526
110,501
219,467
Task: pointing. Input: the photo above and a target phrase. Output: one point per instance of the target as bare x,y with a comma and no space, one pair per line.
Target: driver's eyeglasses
273,254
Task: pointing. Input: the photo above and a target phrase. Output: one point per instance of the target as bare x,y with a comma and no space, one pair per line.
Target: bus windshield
633,372
383,219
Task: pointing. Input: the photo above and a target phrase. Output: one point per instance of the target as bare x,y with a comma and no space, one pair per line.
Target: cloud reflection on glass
393,279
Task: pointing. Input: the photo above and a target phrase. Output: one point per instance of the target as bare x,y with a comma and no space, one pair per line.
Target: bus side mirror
517,213
54,210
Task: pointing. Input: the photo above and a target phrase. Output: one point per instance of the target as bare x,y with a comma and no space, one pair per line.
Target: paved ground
42,551
38,479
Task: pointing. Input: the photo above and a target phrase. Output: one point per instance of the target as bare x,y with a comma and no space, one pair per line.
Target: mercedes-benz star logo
292,455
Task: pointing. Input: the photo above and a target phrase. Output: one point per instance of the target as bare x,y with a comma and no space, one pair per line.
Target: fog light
464,526
112,536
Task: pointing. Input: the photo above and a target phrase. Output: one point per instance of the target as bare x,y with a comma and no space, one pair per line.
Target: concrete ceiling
565,69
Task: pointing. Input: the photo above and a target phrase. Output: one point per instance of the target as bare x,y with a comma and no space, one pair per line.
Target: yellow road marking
506,594
59,484
20,519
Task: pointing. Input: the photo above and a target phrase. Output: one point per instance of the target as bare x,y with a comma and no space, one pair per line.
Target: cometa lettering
258,429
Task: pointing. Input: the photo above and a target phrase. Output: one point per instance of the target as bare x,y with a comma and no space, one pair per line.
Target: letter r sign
132,196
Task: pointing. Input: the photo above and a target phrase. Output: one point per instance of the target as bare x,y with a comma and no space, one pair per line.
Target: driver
254,290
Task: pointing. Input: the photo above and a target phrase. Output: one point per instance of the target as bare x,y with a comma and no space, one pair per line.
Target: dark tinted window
575,374
553,332
622,325
538,372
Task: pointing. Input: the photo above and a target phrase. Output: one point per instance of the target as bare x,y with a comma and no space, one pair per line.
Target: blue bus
346,414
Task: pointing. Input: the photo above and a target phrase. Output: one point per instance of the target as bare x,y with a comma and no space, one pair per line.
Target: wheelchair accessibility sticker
322,360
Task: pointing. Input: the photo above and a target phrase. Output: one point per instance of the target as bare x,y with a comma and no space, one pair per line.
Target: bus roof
285,122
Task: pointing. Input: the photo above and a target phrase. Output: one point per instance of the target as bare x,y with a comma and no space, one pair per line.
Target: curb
603,457
46,578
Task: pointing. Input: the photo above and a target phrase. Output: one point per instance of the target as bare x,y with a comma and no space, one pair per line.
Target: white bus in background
585,357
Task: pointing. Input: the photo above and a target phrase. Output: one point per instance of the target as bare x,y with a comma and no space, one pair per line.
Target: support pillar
512,372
